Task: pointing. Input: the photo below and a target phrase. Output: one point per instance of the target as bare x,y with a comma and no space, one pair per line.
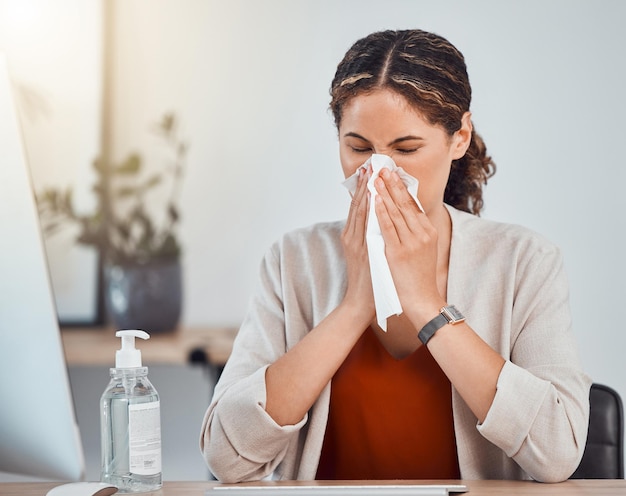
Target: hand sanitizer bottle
130,422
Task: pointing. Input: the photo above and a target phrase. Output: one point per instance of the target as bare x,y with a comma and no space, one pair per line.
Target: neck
440,218
442,222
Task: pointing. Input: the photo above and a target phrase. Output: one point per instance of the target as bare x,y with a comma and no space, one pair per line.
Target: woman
499,395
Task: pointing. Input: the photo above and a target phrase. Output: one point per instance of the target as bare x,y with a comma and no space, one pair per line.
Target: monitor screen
38,431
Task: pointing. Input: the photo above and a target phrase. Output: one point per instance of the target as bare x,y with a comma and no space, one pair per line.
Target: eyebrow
394,142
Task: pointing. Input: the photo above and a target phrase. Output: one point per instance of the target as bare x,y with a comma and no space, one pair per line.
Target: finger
357,216
400,192
353,203
405,210
385,221
361,207
390,217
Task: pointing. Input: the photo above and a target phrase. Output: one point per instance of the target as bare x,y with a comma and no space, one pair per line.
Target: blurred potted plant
139,248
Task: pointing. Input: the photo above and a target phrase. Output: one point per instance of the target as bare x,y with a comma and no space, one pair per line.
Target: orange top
389,419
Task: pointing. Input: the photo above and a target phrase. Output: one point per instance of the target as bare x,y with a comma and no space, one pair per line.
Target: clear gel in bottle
130,422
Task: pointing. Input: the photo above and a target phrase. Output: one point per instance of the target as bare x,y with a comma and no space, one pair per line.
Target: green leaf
151,182
99,165
68,200
169,247
122,229
172,212
168,121
130,166
126,191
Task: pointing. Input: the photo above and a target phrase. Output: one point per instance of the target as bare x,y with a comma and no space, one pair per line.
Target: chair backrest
604,452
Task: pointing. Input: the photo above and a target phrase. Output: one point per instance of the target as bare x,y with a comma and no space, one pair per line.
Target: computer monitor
38,430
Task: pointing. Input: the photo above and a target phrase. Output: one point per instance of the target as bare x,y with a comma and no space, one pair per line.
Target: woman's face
384,122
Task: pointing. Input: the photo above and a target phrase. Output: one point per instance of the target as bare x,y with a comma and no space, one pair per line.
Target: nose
384,151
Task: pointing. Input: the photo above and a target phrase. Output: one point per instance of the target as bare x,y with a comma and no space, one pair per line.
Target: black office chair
604,452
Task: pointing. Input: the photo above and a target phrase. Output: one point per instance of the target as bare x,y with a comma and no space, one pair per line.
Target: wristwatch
447,315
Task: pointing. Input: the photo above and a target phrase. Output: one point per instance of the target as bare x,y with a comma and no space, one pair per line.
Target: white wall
250,81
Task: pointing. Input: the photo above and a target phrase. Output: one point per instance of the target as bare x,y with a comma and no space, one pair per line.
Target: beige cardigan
511,285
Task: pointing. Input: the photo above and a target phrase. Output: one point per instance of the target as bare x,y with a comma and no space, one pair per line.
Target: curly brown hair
430,73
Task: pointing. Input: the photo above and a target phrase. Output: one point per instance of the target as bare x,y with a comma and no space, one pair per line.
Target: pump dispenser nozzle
128,356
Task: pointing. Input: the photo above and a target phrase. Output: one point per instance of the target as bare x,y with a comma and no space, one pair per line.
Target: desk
476,488
97,345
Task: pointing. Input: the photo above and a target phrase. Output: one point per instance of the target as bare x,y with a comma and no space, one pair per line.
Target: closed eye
357,149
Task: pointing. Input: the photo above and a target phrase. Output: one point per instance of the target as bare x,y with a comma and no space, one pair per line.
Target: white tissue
385,295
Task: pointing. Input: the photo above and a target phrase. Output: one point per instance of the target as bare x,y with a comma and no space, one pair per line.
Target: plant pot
146,296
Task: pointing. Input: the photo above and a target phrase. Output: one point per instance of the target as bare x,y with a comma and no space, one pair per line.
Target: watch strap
431,328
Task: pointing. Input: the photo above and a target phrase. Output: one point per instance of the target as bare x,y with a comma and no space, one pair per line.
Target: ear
463,137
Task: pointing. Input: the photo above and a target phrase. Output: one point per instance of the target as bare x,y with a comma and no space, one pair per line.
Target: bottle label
144,432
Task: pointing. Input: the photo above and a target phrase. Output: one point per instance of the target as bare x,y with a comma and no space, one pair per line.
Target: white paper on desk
324,489
385,295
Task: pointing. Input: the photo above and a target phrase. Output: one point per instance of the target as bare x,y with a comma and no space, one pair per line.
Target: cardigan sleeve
239,440
540,413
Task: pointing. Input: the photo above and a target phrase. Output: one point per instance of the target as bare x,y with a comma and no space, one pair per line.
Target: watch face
452,314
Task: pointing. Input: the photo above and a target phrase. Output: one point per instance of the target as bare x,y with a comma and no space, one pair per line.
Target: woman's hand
410,247
359,292
295,380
